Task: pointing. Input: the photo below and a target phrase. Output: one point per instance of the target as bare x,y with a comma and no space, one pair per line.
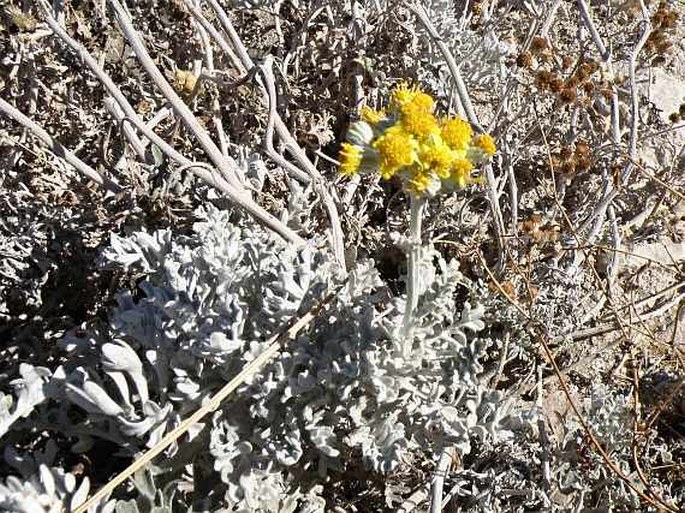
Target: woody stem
413,262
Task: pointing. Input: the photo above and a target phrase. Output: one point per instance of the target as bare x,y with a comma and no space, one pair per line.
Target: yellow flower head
403,94
419,181
418,121
486,143
457,133
397,149
437,156
461,171
350,158
372,116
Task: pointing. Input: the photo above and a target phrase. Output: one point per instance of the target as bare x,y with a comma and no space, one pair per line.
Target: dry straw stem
462,92
211,177
273,346
549,19
209,69
225,164
117,113
56,148
437,486
311,174
587,20
337,237
597,217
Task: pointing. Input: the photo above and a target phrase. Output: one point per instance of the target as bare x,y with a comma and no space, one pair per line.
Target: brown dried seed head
674,117
572,82
664,47
588,87
658,18
567,62
565,153
543,78
539,44
657,36
583,162
681,109
525,60
554,163
546,57
582,148
584,71
606,93
556,85
593,64
568,167
670,20
568,95
509,288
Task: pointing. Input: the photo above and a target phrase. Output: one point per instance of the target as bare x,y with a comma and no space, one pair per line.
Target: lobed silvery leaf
30,393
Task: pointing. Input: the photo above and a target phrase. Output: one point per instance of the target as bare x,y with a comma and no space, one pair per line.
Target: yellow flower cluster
428,154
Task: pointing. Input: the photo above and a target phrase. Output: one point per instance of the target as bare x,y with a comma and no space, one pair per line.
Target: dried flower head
543,79
566,62
525,60
556,85
539,43
582,148
568,95
184,81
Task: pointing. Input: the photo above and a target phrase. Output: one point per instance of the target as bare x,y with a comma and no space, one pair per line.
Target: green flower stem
413,258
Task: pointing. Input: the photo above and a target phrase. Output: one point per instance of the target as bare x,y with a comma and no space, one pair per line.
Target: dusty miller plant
207,303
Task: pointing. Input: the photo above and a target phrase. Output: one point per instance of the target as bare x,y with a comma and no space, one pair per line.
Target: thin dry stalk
227,166
210,177
57,148
544,339
311,172
493,196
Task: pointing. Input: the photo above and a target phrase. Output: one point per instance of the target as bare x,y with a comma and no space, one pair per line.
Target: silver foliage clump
50,490
340,394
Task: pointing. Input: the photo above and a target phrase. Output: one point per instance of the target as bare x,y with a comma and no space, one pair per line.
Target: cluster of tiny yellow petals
436,155
486,143
418,121
461,171
372,116
419,181
404,94
408,141
350,158
397,149
457,133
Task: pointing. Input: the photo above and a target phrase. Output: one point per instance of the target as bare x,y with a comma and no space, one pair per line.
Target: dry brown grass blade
275,343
